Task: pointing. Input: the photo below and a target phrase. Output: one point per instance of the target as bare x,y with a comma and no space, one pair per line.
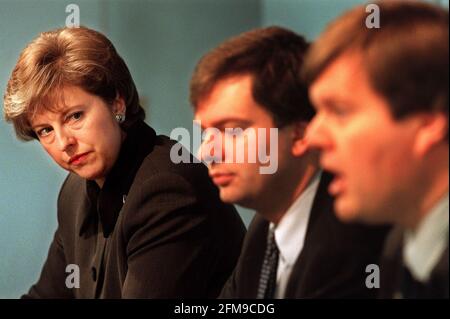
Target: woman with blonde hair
136,224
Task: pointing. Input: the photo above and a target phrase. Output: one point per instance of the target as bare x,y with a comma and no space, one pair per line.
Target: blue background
161,40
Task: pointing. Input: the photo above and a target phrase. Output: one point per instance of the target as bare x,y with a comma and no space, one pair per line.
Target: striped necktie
268,277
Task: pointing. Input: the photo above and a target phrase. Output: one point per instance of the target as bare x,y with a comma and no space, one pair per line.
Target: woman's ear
299,144
119,106
433,130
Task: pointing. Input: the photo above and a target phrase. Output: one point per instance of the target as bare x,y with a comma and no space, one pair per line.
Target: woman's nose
64,140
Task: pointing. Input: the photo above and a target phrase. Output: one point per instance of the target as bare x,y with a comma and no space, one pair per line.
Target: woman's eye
44,132
74,116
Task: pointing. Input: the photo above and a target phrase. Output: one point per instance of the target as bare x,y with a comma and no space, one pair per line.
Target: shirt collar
424,246
109,200
290,232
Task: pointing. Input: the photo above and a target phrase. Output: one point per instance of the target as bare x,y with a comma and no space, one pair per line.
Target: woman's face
82,135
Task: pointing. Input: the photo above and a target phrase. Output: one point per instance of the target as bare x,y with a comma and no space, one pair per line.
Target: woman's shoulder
72,184
164,159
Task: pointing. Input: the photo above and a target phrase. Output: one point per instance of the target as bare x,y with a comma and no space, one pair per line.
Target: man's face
231,105
370,153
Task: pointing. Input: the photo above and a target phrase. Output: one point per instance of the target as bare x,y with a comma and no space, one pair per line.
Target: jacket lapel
322,205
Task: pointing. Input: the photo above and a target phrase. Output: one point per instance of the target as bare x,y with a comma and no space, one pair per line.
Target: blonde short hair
68,56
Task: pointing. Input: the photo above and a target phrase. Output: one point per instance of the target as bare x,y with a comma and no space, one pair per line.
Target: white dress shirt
424,247
290,233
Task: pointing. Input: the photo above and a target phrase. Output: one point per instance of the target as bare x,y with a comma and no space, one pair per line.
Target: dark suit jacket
155,230
392,266
332,263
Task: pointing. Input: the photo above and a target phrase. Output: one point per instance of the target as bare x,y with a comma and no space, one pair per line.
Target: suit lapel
391,265
322,205
248,278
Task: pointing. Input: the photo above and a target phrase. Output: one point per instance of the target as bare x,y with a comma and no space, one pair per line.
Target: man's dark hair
273,56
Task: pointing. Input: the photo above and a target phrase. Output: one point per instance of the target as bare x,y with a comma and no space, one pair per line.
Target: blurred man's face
231,105
370,153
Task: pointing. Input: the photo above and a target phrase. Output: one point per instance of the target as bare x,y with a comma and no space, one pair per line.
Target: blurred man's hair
406,59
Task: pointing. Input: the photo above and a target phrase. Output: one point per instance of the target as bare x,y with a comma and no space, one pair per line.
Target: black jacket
155,230
332,263
392,270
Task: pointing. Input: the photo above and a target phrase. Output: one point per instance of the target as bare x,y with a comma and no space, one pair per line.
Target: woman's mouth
78,159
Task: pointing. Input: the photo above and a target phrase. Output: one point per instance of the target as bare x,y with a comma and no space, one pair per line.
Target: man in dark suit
249,98
382,125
